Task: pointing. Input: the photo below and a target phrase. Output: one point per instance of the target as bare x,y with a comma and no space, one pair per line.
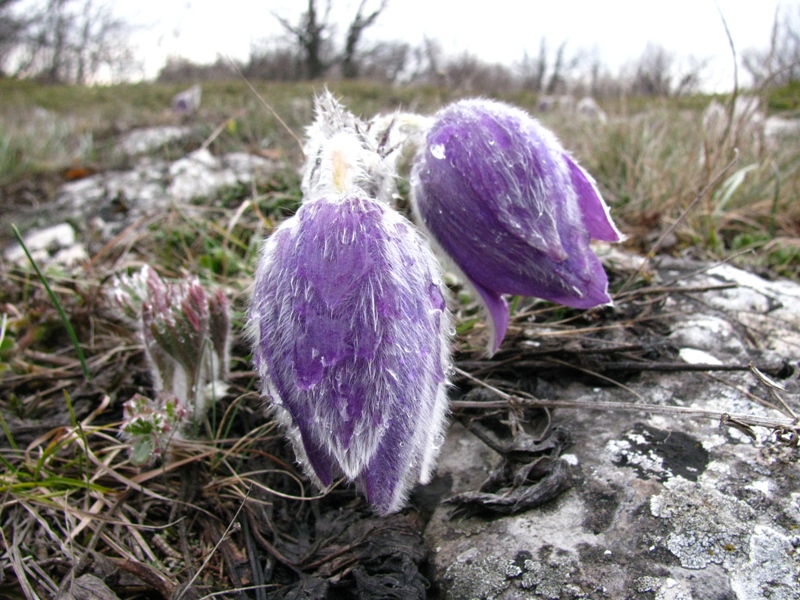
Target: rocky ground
660,506
614,493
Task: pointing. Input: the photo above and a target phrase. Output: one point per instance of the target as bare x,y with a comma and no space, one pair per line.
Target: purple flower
351,339
512,209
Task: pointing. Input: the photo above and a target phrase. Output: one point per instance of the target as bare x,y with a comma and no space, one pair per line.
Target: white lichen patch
624,452
570,459
707,526
693,356
708,333
713,441
762,485
779,330
554,530
740,299
671,589
482,579
777,290
140,141
771,570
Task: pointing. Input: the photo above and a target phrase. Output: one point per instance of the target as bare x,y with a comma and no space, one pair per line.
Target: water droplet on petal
437,150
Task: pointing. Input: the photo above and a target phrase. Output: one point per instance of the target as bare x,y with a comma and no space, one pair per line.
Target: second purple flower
503,199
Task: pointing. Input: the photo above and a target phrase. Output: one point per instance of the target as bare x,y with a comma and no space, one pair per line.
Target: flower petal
595,212
497,307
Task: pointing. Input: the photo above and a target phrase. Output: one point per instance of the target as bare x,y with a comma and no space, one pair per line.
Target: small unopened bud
149,426
186,335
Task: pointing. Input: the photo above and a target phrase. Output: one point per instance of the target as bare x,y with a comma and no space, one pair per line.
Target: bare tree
561,69
539,75
354,32
312,36
430,62
658,73
71,41
780,63
533,70
653,76
271,60
11,28
599,82
467,73
387,61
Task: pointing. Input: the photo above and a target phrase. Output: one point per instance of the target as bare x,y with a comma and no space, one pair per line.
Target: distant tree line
74,41
63,41
310,50
551,71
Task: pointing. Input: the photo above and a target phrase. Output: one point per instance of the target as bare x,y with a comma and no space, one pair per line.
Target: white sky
494,30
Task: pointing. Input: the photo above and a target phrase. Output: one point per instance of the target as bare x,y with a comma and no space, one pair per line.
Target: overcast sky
496,31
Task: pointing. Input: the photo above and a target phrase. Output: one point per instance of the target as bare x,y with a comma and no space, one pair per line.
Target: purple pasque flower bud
503,199
351,338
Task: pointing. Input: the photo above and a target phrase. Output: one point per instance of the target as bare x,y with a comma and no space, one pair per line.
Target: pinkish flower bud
186,334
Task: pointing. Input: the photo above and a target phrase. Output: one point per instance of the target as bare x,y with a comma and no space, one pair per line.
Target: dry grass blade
222,538
703,193
773,388
750,420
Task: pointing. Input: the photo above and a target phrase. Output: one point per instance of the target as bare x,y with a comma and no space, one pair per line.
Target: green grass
785,98
651,159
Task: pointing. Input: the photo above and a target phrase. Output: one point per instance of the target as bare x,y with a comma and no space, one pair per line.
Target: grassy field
71,497
653,158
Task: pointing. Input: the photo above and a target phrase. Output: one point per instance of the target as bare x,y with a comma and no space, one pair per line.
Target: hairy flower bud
344,156
503,199
186,335
351,339
149,426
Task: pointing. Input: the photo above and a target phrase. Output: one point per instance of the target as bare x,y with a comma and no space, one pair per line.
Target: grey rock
662,506
141,141
47,239
54,245
202,174
121,197
103,205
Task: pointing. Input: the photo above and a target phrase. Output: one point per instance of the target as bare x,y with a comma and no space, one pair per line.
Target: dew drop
437,150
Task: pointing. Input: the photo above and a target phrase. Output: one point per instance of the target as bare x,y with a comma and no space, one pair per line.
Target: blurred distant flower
512,209
186,332
351,339
188,101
